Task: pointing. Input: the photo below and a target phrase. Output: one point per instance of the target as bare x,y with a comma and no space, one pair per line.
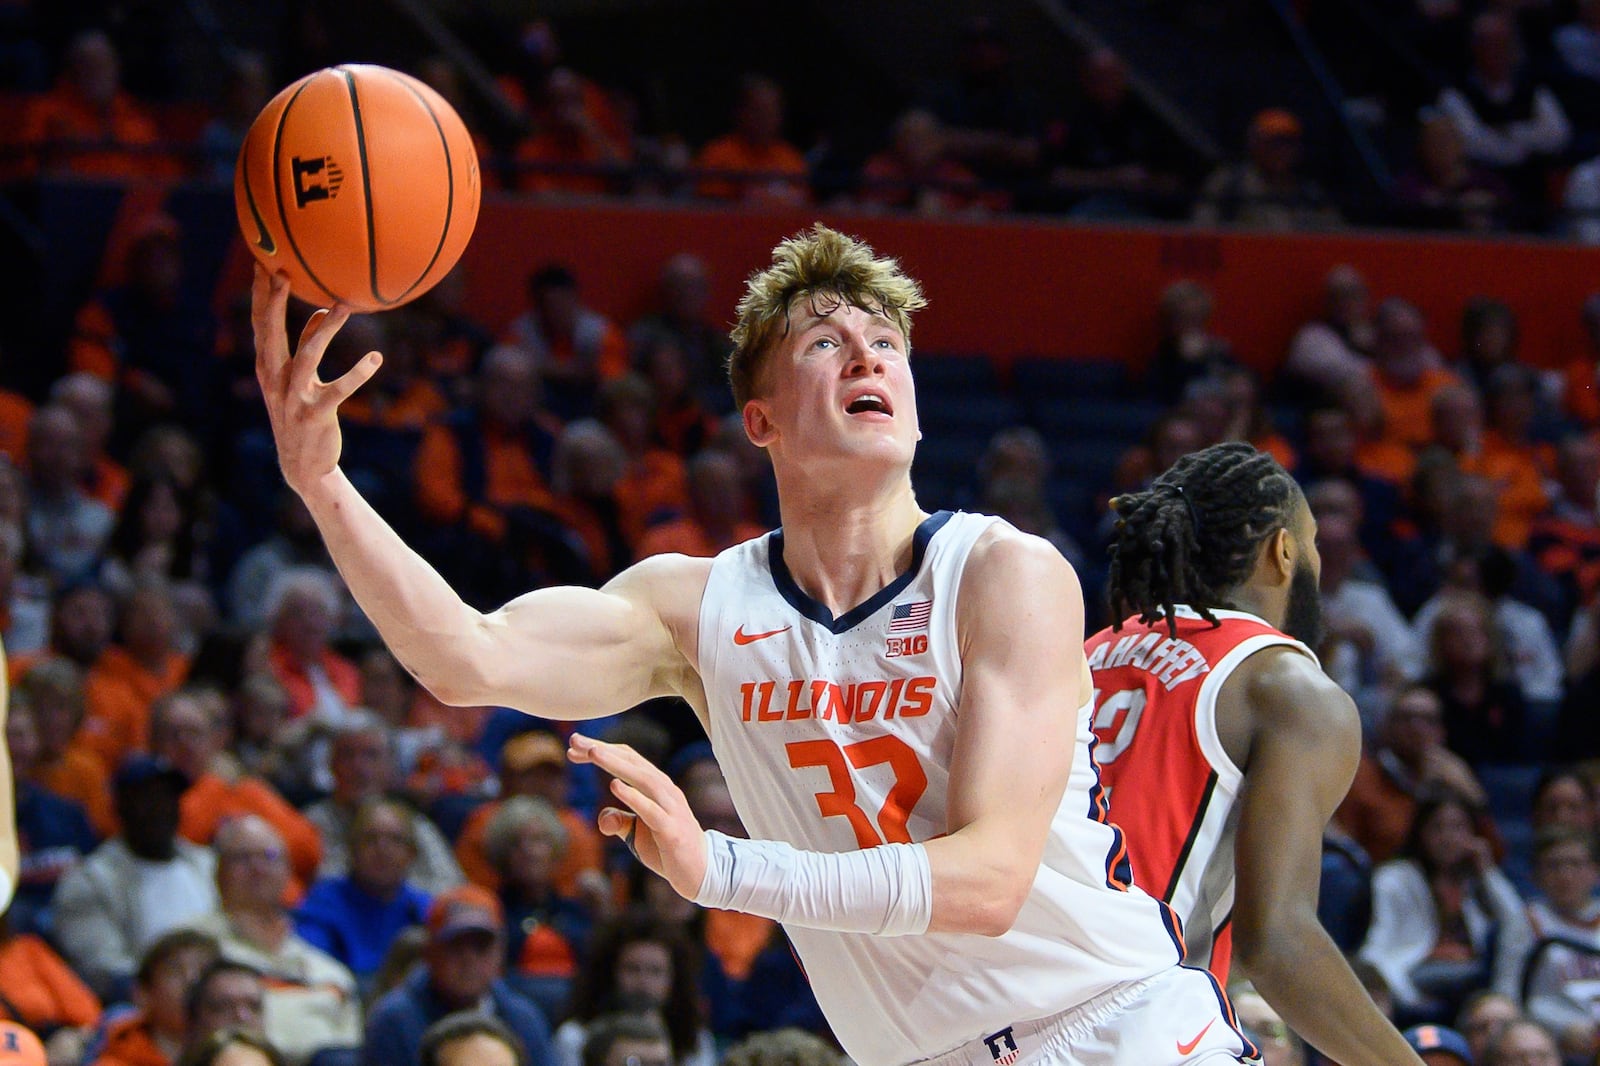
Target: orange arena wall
1012,288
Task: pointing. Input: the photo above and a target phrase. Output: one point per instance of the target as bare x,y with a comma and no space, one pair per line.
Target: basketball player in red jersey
1224,746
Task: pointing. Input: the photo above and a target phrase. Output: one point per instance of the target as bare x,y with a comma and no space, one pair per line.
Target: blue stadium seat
949,373
1124,421
1041,376
972,413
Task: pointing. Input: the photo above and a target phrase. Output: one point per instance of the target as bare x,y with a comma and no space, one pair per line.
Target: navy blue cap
1438,1038
138,769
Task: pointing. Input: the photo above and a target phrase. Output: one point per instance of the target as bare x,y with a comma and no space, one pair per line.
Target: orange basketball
19,1047
361,184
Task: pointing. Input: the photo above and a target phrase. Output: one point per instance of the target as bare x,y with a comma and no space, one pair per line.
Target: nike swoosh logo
1184,1049
741,638
264,239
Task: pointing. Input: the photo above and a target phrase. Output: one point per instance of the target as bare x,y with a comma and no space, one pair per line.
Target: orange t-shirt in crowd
1277,446
42,988
610,361
549,149
736,939
511,479
69,135
1408,409
1377,811
79,775
1388,461
775,171
1522,495
655,489
415,407
15,413
130,1043
211,800
118,693
342,675
583,852
685,536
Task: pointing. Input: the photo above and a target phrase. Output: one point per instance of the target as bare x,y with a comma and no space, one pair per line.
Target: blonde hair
823,265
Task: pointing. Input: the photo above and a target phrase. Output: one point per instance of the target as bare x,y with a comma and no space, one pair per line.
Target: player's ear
1285,553
758,423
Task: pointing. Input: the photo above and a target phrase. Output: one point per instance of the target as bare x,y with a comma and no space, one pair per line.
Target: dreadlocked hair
1195,534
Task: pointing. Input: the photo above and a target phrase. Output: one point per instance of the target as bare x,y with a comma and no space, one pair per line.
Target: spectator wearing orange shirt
716,518
185,731
90,398
16,411
87,125
570,153
682,423
1457,417
403,397
1566,541
154,1034
41,991
655,487
67,765
1409,373
915,174
574,348
754,163
304,606
477,468
131,675
535,764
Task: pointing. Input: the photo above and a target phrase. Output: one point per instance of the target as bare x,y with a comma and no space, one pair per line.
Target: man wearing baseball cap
1439,1046
461,970
135,886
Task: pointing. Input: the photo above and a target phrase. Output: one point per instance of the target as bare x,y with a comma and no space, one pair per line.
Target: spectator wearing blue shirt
356,918
461,971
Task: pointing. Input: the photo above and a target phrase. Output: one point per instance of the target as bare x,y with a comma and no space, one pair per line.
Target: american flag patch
910,617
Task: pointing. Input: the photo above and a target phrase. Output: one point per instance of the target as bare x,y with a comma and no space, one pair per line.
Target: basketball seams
277,190
450,186
366,183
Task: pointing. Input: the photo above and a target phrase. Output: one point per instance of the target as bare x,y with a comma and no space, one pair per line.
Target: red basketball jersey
1171,784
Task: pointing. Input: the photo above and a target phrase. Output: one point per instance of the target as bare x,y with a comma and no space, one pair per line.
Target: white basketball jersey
837,733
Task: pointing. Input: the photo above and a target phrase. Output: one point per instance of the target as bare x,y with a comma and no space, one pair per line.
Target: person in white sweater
1442,911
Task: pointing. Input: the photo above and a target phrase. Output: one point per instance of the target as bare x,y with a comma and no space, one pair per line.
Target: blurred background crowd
239,813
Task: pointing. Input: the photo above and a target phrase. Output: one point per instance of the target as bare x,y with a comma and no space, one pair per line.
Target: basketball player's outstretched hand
302,407
661,829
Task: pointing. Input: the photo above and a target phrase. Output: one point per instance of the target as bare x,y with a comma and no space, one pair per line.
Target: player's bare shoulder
1283,688
1019,579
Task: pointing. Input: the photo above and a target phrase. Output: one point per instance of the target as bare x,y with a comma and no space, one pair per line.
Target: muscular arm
1021,621
1305,744
561,653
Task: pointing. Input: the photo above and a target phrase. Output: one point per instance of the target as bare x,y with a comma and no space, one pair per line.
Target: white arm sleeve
885,891
7,889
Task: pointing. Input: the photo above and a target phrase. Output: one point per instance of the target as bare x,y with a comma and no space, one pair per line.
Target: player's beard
1302,620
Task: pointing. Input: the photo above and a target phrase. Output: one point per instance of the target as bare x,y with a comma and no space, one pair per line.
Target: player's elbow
997,912
1266,945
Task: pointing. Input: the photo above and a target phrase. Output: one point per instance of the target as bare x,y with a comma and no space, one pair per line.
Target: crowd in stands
1509,141
245,826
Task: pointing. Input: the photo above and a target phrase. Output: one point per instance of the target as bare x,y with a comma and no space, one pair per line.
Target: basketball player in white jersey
899,701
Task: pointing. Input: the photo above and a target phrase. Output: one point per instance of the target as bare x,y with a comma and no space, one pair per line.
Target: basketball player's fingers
314,340
616,823
345,386
269,301
654,814
619,760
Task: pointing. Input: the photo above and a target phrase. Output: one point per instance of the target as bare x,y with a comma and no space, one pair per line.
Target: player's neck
1264,606
841,549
